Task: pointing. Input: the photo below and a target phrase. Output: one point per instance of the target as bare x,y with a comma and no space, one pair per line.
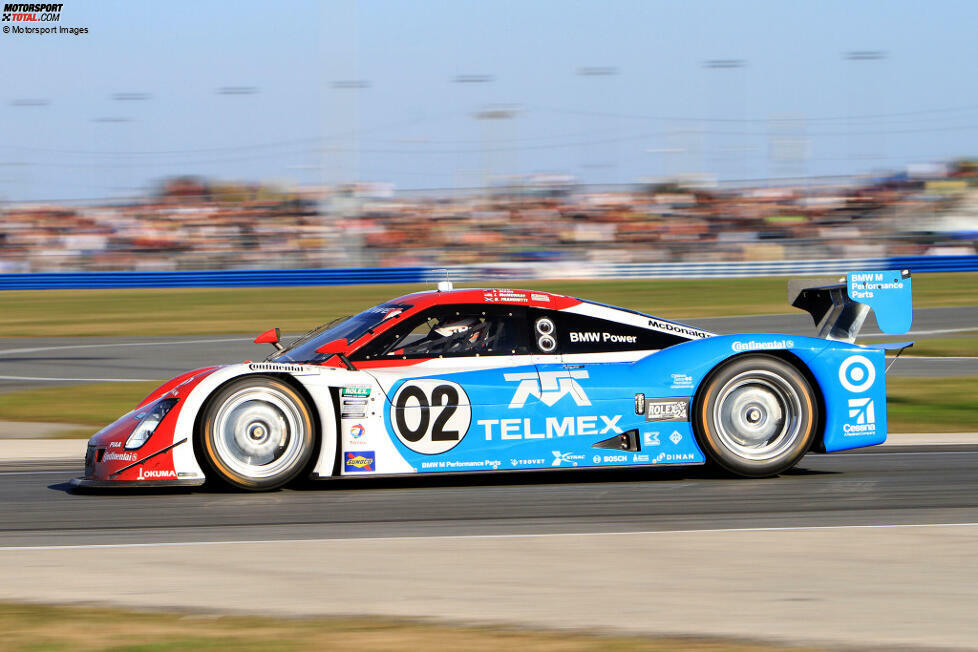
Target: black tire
755,416
256,433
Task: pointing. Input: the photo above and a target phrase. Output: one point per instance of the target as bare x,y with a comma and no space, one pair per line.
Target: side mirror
271,336
336,346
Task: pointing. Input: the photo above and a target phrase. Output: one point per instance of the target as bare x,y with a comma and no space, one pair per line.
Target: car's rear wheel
755,416
256,433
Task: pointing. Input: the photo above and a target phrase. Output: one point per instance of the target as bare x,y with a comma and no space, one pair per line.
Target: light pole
28,103
492,118
128,97
348,158
239,97
862,75
721,145
592,155
477,95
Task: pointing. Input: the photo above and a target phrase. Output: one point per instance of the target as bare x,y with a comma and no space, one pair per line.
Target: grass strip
94,404
54,628
932,404
213,311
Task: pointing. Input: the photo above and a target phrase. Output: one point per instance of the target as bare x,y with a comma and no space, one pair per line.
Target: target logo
857,373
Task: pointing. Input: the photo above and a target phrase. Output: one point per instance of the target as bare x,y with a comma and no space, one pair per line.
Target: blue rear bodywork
552,415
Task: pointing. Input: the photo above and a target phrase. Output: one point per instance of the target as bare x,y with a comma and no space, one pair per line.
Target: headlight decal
149,422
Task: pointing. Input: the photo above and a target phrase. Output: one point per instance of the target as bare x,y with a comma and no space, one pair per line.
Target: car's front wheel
755,416
256,433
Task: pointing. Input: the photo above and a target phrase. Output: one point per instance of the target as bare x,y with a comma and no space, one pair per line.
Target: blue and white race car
453,381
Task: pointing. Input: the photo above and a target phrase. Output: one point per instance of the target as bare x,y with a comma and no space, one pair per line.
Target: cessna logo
864,412
548,386
862,409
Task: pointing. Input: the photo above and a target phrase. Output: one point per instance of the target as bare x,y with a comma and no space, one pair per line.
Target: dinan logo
548,386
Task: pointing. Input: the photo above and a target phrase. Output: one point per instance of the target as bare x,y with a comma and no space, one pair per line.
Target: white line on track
64,347
940,331
82,380
453,537
938,357
888,454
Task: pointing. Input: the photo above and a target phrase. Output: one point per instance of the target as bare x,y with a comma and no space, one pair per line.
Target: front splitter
86,483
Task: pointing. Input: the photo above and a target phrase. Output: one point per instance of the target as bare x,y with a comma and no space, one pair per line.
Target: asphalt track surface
39,362
883,486
870,550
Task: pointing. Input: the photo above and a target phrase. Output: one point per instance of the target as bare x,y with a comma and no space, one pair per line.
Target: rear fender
851,379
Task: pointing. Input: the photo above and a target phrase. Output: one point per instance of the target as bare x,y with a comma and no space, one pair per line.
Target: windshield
303,349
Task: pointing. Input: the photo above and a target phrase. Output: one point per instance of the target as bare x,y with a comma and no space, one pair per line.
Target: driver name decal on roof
548,386
492,296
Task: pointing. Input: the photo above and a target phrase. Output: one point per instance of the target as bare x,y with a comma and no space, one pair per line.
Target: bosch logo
857,373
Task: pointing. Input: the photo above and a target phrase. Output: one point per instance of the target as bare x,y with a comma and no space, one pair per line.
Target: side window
584,334
450,331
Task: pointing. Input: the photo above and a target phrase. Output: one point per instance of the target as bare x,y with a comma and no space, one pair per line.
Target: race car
479,380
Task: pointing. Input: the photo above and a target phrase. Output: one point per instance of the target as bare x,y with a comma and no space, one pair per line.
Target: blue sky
796,106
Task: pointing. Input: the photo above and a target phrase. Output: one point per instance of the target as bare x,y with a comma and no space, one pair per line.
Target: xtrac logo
548,386
570,458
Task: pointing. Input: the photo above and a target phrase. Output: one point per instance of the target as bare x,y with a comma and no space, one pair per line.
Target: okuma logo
548,386
570,458
675,437
156,474
862,410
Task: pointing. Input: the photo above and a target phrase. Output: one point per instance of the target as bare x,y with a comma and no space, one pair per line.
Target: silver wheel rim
259,432
758,415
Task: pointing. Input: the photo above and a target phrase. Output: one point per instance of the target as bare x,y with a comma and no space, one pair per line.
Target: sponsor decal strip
151,455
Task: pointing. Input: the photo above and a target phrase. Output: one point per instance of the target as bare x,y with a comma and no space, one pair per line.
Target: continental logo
740,347
275,366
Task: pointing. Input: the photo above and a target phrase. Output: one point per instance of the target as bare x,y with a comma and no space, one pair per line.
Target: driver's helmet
460,328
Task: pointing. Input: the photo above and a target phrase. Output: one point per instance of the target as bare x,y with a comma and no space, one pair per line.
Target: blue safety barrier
211,278
382,275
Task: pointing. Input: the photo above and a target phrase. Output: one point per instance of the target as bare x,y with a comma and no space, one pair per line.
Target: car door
450,384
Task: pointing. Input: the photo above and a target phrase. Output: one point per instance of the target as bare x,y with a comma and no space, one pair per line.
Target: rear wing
839,308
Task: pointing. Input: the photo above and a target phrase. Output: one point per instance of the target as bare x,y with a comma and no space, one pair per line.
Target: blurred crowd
195,224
